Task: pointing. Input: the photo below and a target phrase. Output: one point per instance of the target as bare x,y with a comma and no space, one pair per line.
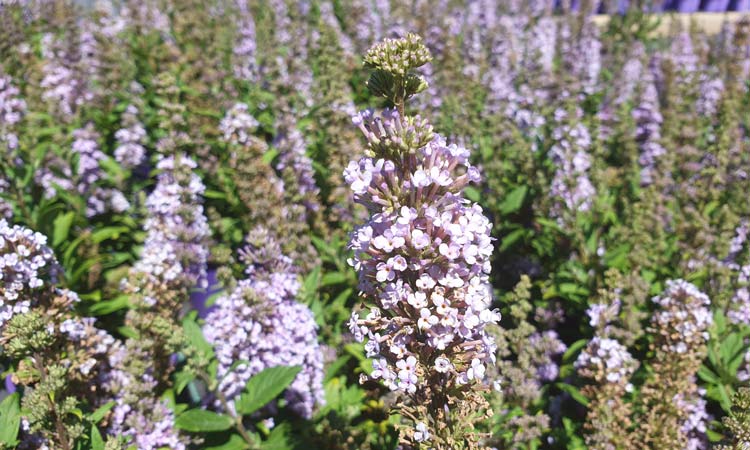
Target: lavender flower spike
12,111
172,262
422,257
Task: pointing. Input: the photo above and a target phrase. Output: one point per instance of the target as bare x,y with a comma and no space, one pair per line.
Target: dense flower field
361,224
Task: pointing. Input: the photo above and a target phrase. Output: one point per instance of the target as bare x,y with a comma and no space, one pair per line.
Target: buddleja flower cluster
172,262
261,325
571,185
25,264
423,255
283,203
676,416
608,365
12,111
238,124
177,228
130,151
99,200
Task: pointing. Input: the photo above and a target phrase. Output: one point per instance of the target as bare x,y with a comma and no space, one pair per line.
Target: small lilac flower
421,433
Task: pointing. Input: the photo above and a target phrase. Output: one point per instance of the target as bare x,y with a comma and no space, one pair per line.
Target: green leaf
513,201
105,233
335,366
98,415
270,155
10,419
573,349
333,278
182,379
707,375
309,287
109,306
202,420
574,392
62,225
511,239
97,443
264,387
218,195
472,193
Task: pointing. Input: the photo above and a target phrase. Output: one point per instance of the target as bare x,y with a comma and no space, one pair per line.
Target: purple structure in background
199,297
715,5
682,6
9,386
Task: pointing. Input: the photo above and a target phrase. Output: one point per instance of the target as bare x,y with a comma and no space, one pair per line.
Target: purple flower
12,111
711,90
243,52
63,85
606,360
683,317
295,166
261,325
571,185
697,420
422,258
177,229
130,151
238,124
172,262
648,121
153,431
27,267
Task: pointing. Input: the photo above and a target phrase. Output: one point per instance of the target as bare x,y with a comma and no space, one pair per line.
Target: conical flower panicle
422,258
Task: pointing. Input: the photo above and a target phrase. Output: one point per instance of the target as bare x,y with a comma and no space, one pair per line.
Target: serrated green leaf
200,420
264,387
